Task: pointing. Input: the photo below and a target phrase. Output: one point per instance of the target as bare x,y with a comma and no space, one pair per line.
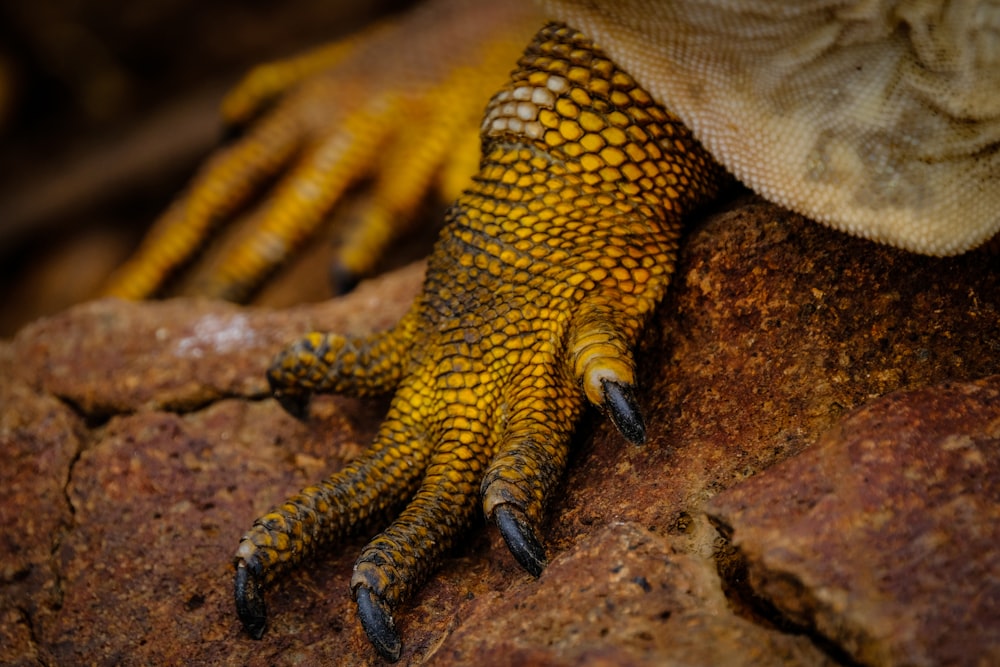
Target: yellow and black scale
544,275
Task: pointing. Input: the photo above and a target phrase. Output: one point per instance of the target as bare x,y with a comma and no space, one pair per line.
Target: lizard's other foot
313,127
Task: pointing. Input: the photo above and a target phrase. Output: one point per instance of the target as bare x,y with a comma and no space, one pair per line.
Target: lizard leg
266,84
545,272
425,154
301,201
331,363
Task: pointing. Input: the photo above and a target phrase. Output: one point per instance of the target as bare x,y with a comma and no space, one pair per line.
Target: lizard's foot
546,270
314,126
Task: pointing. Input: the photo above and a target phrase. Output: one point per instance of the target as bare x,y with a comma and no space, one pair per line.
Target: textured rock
883,536
106,357
39,440
147,445
622,595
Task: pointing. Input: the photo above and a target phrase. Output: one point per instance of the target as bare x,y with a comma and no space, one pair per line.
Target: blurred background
106,109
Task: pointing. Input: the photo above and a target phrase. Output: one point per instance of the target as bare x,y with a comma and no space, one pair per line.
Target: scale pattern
546,270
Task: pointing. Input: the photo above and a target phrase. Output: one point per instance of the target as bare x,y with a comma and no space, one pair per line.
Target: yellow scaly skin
535,294
316,127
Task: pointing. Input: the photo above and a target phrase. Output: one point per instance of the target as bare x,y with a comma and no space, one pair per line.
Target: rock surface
142,444
896,506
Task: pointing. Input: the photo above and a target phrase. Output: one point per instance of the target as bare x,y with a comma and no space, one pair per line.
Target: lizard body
880,119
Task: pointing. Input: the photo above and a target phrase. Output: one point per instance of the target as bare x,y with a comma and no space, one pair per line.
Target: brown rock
883,536
622,595
161,500
39,440
108,357
774,329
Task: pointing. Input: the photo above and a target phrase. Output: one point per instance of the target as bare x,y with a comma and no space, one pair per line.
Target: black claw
297,405
520,538
249,593
342,279
231,133
619,399
378,624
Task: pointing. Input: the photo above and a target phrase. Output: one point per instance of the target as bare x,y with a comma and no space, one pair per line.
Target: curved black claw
297,405
377,621
620,401
231,133
249,593
520,538
342,279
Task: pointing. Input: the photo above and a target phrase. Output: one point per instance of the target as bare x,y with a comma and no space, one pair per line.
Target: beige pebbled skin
878,118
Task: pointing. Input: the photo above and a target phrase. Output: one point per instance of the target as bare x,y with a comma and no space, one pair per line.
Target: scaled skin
535,294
